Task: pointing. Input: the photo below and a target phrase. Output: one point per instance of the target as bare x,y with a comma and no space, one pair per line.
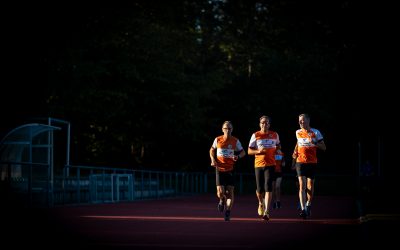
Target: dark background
148,85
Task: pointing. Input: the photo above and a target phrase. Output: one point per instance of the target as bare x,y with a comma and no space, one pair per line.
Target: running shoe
265,215
303,214
261,209
227,216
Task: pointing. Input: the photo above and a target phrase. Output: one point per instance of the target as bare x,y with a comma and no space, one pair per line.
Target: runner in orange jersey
308,141
262,145
224,152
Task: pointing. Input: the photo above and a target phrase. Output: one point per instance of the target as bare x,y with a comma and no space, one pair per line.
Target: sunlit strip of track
233,219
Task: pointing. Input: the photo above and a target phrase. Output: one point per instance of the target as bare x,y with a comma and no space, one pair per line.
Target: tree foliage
149,85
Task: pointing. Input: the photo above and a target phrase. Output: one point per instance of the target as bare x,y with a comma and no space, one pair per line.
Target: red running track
194,223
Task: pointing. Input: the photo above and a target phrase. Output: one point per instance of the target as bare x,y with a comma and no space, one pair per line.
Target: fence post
205,183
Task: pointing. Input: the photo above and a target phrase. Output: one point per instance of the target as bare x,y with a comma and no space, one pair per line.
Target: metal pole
30,168
359,169
51,167
359,158
68,139
68,146
379,156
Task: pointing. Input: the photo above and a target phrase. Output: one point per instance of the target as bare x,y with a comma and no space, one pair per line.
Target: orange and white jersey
269,141
306,148
278,159
226,149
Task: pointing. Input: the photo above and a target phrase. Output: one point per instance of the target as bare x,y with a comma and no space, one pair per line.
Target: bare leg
260,197
302,191
268,199
310,190
229,197
221,192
